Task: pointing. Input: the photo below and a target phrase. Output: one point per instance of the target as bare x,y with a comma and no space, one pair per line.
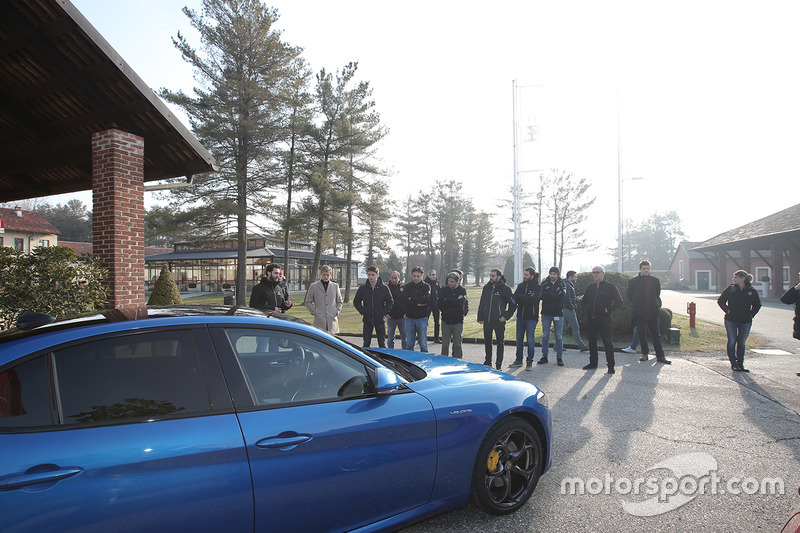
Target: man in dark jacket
600,299
792,296
373,300
417,295
644,293
433,306
451,304
397,314
527,297
553,290
268,294
496,307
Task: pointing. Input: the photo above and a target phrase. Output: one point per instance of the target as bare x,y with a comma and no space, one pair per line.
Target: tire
507,468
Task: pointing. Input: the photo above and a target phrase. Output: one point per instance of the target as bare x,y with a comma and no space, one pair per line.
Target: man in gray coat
324,301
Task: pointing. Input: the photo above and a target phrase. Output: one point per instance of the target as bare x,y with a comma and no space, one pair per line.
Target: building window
44,242
680,269
19,244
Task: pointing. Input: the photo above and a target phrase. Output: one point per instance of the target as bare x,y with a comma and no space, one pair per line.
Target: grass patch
706,337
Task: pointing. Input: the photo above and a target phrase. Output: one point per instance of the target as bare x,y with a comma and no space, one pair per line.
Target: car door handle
17,481
284,441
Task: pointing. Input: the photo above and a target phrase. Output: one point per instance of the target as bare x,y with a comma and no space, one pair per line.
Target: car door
326,454
130,432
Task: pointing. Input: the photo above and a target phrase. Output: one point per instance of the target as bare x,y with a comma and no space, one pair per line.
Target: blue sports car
224,419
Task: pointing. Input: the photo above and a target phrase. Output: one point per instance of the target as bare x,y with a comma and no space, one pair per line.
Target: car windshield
406,370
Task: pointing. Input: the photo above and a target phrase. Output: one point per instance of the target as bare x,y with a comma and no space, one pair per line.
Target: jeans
499,330
417,327
635,338
526,325
558,325
572,318
644,325
602,325
737,335
454,331
400,324
380,333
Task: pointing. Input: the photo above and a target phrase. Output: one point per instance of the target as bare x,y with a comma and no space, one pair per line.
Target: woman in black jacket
740,302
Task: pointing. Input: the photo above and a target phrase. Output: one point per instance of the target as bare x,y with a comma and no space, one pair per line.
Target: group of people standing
387,308
559,305
407,309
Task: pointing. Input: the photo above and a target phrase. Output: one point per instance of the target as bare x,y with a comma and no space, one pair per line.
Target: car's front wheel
508,467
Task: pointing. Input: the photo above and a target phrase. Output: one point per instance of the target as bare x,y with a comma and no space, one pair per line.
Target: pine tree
241,109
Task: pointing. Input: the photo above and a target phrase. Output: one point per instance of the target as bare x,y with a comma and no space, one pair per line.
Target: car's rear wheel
508,467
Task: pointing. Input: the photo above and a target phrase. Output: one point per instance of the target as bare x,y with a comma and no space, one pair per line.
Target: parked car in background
228,419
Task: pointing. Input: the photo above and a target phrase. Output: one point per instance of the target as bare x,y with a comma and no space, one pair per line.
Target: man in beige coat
324,301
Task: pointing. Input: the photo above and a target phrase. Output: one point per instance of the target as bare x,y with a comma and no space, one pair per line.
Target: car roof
114,320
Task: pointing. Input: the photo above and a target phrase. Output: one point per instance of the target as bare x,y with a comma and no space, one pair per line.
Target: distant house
698,271
26,230
768,248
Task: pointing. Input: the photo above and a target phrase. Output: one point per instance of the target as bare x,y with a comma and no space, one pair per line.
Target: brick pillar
118,210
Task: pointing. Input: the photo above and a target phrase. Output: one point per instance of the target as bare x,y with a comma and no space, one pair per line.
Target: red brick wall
118,206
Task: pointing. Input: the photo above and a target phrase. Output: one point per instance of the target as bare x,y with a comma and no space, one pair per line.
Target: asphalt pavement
720,450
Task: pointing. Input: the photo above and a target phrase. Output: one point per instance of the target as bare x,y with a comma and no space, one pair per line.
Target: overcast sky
707,94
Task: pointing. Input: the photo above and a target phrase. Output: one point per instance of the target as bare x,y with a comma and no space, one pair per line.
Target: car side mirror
386,381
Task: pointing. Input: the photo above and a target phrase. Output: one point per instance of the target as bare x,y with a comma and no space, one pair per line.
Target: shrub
165,291
52,280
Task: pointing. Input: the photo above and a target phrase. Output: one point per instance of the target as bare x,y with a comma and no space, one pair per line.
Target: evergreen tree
165,290
72,219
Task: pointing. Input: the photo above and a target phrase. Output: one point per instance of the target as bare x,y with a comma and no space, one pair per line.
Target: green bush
621,322
52,280
165,291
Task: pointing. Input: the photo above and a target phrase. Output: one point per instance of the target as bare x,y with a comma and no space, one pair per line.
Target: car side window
25,399
282,367
131,376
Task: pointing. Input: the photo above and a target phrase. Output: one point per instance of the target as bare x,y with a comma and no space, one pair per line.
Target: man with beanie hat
553,290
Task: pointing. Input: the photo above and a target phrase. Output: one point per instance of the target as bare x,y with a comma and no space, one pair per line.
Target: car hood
448,370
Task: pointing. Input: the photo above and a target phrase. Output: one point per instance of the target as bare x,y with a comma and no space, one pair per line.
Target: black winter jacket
792,296
553,297
451,306
398,310
527,296
644,293
740,305
496,301
373,303
570,300
268,295
415,294
434,298
600,300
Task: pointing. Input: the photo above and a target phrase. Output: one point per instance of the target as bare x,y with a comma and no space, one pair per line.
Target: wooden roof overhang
60,82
